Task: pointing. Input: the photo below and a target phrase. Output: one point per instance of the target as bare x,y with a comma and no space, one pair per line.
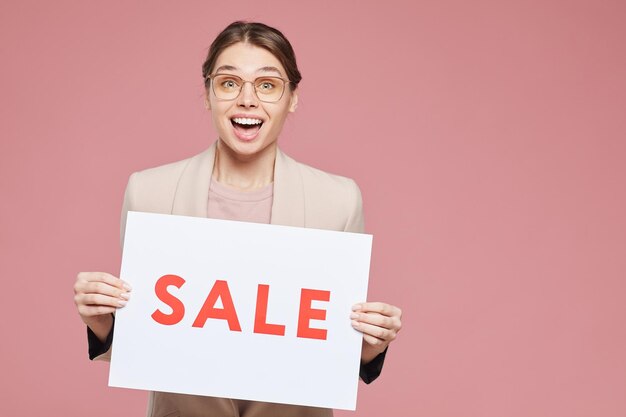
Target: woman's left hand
379,323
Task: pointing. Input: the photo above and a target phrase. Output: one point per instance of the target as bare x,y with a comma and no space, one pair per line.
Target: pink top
227,203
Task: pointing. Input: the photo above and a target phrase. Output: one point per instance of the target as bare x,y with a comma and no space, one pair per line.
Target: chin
247,150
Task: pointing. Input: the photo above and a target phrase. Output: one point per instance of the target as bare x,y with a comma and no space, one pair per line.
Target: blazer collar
288,204
192,193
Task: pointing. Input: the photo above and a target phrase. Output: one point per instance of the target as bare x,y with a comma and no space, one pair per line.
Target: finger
386,335
98,300
96,287
378,307
105,278
91,311
377,320
371,340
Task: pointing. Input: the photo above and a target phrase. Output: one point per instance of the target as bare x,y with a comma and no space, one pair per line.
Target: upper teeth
247,121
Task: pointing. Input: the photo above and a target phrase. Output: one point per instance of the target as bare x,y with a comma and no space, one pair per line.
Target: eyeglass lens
228,87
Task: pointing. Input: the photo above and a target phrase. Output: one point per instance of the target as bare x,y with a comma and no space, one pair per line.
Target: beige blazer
303,197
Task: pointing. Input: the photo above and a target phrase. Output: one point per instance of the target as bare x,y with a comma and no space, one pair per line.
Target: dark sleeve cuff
370,371
96,347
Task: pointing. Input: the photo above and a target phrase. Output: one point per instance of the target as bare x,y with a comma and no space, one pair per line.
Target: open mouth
247,126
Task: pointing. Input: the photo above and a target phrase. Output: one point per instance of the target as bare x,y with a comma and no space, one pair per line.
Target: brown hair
257,34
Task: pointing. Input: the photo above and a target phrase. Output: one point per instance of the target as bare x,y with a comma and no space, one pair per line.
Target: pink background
488,138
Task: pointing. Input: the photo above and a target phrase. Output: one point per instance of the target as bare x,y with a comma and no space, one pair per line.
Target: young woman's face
245,124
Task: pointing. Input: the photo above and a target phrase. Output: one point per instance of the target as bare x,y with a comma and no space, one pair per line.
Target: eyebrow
262,69
226,67
270,69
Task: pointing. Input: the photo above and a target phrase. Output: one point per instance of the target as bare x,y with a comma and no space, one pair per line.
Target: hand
379,323
97,295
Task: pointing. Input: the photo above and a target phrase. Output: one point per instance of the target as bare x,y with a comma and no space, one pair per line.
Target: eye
265,85
229,84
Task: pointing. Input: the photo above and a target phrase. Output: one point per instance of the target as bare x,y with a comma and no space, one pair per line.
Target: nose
247,97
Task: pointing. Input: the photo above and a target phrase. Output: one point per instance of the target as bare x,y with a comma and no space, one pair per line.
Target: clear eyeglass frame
264,96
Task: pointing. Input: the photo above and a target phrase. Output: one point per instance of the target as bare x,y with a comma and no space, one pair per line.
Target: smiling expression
246,125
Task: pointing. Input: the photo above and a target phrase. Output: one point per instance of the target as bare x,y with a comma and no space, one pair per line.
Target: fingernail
356,307
354,316
127,286
121,303
355,324
125,295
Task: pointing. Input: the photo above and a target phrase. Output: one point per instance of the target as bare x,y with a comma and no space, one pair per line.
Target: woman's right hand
97,295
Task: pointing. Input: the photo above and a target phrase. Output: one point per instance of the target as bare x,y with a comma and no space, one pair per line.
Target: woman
251,81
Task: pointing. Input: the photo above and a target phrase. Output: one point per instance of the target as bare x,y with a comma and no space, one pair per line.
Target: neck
244,173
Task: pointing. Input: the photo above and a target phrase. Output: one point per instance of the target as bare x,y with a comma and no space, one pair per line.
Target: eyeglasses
228,87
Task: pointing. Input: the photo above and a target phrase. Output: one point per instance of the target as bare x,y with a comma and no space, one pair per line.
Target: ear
207,103
293,103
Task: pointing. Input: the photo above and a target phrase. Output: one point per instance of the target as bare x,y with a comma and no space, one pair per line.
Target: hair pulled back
257,34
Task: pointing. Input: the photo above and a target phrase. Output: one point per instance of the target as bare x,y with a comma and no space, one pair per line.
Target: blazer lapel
288,204
192,193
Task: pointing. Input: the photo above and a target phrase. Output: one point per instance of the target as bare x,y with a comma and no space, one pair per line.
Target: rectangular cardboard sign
240,310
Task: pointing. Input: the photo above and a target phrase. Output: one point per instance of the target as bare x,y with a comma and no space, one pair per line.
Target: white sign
240,310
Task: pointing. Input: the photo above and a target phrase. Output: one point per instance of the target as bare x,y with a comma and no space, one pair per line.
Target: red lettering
260,317
177,306
221,291
208,310
307,313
